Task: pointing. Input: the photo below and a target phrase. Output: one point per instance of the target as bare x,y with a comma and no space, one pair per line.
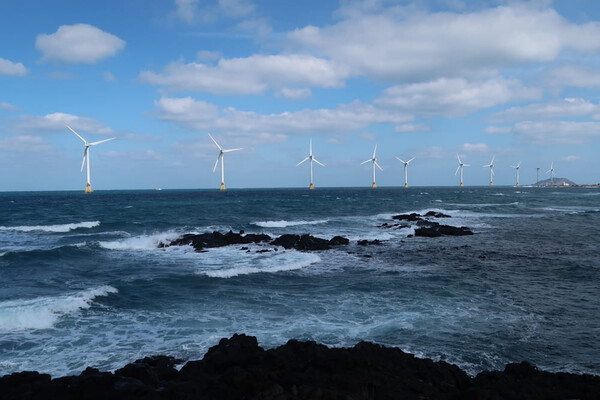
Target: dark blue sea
84,283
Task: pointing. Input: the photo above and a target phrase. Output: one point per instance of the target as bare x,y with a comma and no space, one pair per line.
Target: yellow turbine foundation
222,186
311,187
374,186
491,183
461,184
88,189
406,185
517,185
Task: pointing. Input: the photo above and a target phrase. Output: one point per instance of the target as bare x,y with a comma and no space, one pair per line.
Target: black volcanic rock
307,242
436,230
238,368
407,217
216,239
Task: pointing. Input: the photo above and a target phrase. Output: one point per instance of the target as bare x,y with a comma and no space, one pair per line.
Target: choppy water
82,282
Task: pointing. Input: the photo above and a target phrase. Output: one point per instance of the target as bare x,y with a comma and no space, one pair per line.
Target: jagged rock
216,239
437,230
307,242
365,242
436,214
407,217
238,368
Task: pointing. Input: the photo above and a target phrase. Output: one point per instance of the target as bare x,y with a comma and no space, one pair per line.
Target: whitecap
285,224
51,228
227,262
43,312
142,242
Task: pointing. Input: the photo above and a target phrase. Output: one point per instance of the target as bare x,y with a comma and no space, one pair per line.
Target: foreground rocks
427,228
237,368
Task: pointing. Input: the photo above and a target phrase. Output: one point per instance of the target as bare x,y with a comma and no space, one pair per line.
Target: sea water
83,281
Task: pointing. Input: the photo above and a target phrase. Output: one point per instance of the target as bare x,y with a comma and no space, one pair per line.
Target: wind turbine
222,159
516,167
374,160
405,169
311,158
537,183
460,166
491,166
551,171
86,157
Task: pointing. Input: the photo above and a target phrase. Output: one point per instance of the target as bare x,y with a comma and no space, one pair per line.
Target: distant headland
563,182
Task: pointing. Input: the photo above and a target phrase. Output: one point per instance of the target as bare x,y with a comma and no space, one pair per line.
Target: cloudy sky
518,81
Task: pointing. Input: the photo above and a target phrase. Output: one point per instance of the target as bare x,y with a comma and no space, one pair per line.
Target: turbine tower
537,183
460,166
491,166
405,169
551,171
221,158
516,167
374,161
311,158
86,157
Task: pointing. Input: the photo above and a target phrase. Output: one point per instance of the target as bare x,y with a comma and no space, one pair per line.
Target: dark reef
237,368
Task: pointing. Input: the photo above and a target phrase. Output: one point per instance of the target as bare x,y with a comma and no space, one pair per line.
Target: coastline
239,368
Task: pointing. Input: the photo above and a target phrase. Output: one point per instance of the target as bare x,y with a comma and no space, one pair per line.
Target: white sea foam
43,312
285,224
142,242
227,263
51,228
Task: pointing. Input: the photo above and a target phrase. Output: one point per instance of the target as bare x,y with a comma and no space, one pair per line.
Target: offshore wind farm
465,244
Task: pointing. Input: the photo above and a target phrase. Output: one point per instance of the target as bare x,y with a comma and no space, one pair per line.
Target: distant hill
556,182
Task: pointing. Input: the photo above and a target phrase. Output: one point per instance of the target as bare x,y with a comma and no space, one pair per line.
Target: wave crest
284,224
52,228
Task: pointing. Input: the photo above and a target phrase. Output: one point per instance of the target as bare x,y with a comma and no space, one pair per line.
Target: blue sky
513,80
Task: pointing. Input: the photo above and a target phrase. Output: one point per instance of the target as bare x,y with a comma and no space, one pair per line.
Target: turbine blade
82,139
460,162
217,162
374,151
230,150
492,163
366,161
310,146
408,162
101,141
401,160
302,161
213,139
378,166
457,168
315,160
466,165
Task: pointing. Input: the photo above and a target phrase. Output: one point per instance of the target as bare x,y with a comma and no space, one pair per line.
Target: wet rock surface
238,368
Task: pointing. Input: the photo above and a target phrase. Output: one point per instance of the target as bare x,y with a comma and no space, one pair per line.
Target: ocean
83,281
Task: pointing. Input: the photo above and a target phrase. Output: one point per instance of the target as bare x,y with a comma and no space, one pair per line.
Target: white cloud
457,96
557,132
294,93
572,75
399,46
260,128
480,148
25,143
205,55
251,75
79,43
498,129
186,10
236,8
571,158
8,107
10,68
55,122
565,108
410,128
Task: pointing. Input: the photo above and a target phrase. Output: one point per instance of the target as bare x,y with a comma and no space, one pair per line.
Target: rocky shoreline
238,368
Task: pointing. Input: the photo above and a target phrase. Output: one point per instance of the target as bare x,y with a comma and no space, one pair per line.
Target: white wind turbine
374,161
405,169
86,157
491,166
221,158
311,158
460,166
551,171
516,167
